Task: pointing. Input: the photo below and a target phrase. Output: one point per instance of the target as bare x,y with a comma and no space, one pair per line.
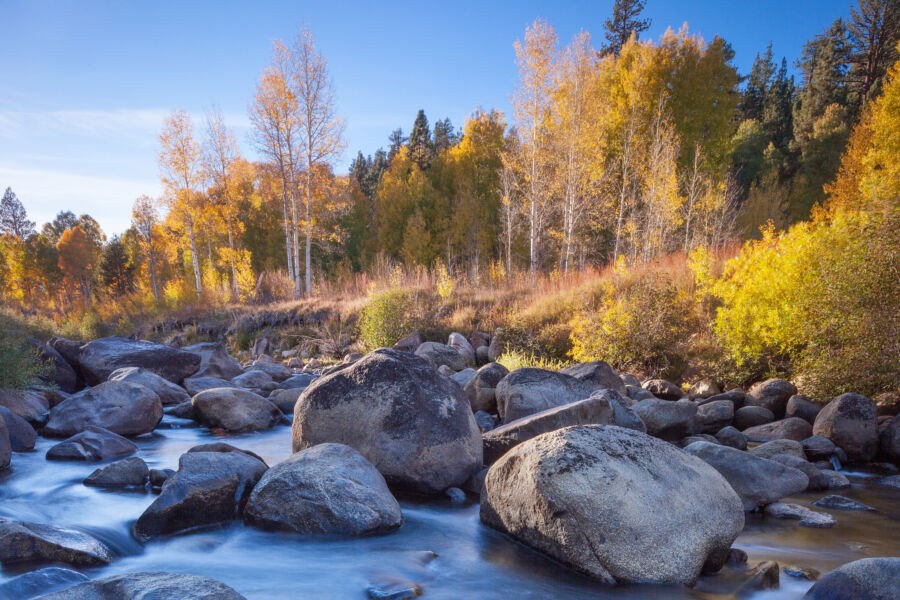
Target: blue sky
86,85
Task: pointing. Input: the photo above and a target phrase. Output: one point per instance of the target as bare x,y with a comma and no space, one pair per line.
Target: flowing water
472,561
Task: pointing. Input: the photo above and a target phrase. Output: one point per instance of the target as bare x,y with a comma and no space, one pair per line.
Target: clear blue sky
85,85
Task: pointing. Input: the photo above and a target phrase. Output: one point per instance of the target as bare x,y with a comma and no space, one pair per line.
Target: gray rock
713,416
445,371
590,411
36,542
589,496
730,436
5,449
261,347
836,481
665,390
168,392
889,440
159,476
623,416
817,480
598,374
98,359
253,378
185,410
440,354
791,428
214,361
486,421
94,443
128,472
410,343
148,586
223,447
463,377
482,388
776,447
666,419
817,447
866,579
458,342
807,518
638,393
697,437
482,355
195,385
455,495
285,400
418,429
120,406
301,380
527,391
764,576
235,410
758,481
735,396
851,422
393,588
208,488
772,394
806,573
276,372
328,488
496,348
21,435
837,502
63,374
704,389
890,482
802,407
30,405
40,582
751,416
631,380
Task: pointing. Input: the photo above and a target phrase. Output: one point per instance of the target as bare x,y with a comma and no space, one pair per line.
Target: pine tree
396,139
444,136
625,21
13,218
421,150
874,30
778,109
823,65
116,271
758,83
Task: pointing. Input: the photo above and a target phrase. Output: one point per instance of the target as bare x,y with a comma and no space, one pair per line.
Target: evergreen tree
359,168
116,271
778,109
13,218
624,22
396,139
823,65
758,83
421,150
874,30
444,136
377,167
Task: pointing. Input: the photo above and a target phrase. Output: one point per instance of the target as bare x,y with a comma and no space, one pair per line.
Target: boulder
792,428
5,447
638,393
410,343
866,579
807,518
697,437
68,349
40,582
735,396
889,440
30,405
223,447
261,347
195,385
148,586
458,342
666,419
120,406
208,488
589,496
482,355
252,378
440,354
496,348
128,472
665,390
764,576
704,389
285,400
99,358
463,377
776,447
713,416
482,388
836,502
301,380
758,481
214,361
836,481
418,428
772,394
851,422
63,374
594,410
94,443
21,435
486,421
729,436
598,374
480,339
817,480
817,447
890,482
168,392
888,403
802,407
752,416
623,416
36,542
328,488
185,410
235,410
276,372
527,391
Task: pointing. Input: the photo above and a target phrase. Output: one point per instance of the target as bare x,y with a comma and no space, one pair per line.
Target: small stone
159,476
837,502
836,481
456,495
128,472
806,573
807,518
486,421
736,557
394,589
763,576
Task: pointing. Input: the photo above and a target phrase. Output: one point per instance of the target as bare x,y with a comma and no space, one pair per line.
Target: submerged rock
95,443
128,472
148,586
807,518
838,502
36,542
40,582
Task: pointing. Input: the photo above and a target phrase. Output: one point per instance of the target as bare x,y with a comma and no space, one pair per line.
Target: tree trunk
287,227
195,260
308,228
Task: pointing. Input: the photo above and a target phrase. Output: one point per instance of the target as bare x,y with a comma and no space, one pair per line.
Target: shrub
517,359
20,364
388,316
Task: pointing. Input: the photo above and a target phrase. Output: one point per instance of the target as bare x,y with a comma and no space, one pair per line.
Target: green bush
20,364
387,318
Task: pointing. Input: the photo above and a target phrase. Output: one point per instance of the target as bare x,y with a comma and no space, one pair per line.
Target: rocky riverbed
595,480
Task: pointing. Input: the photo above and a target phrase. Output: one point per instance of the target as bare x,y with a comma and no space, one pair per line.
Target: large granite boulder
98,359
120,406
851,422
666,419
168,392
776,447
623,416
458,342
235,410
482,388
750,416
128,472
214,361
440,354
802,407
713,416
772,394
21,435
758,481
36,542
252,379
888,440
791,428
598,374
94,443
412,423
866,579
527,391
195,385
148,586
328,488
208,488
590,497
594,410
817,479
30,405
